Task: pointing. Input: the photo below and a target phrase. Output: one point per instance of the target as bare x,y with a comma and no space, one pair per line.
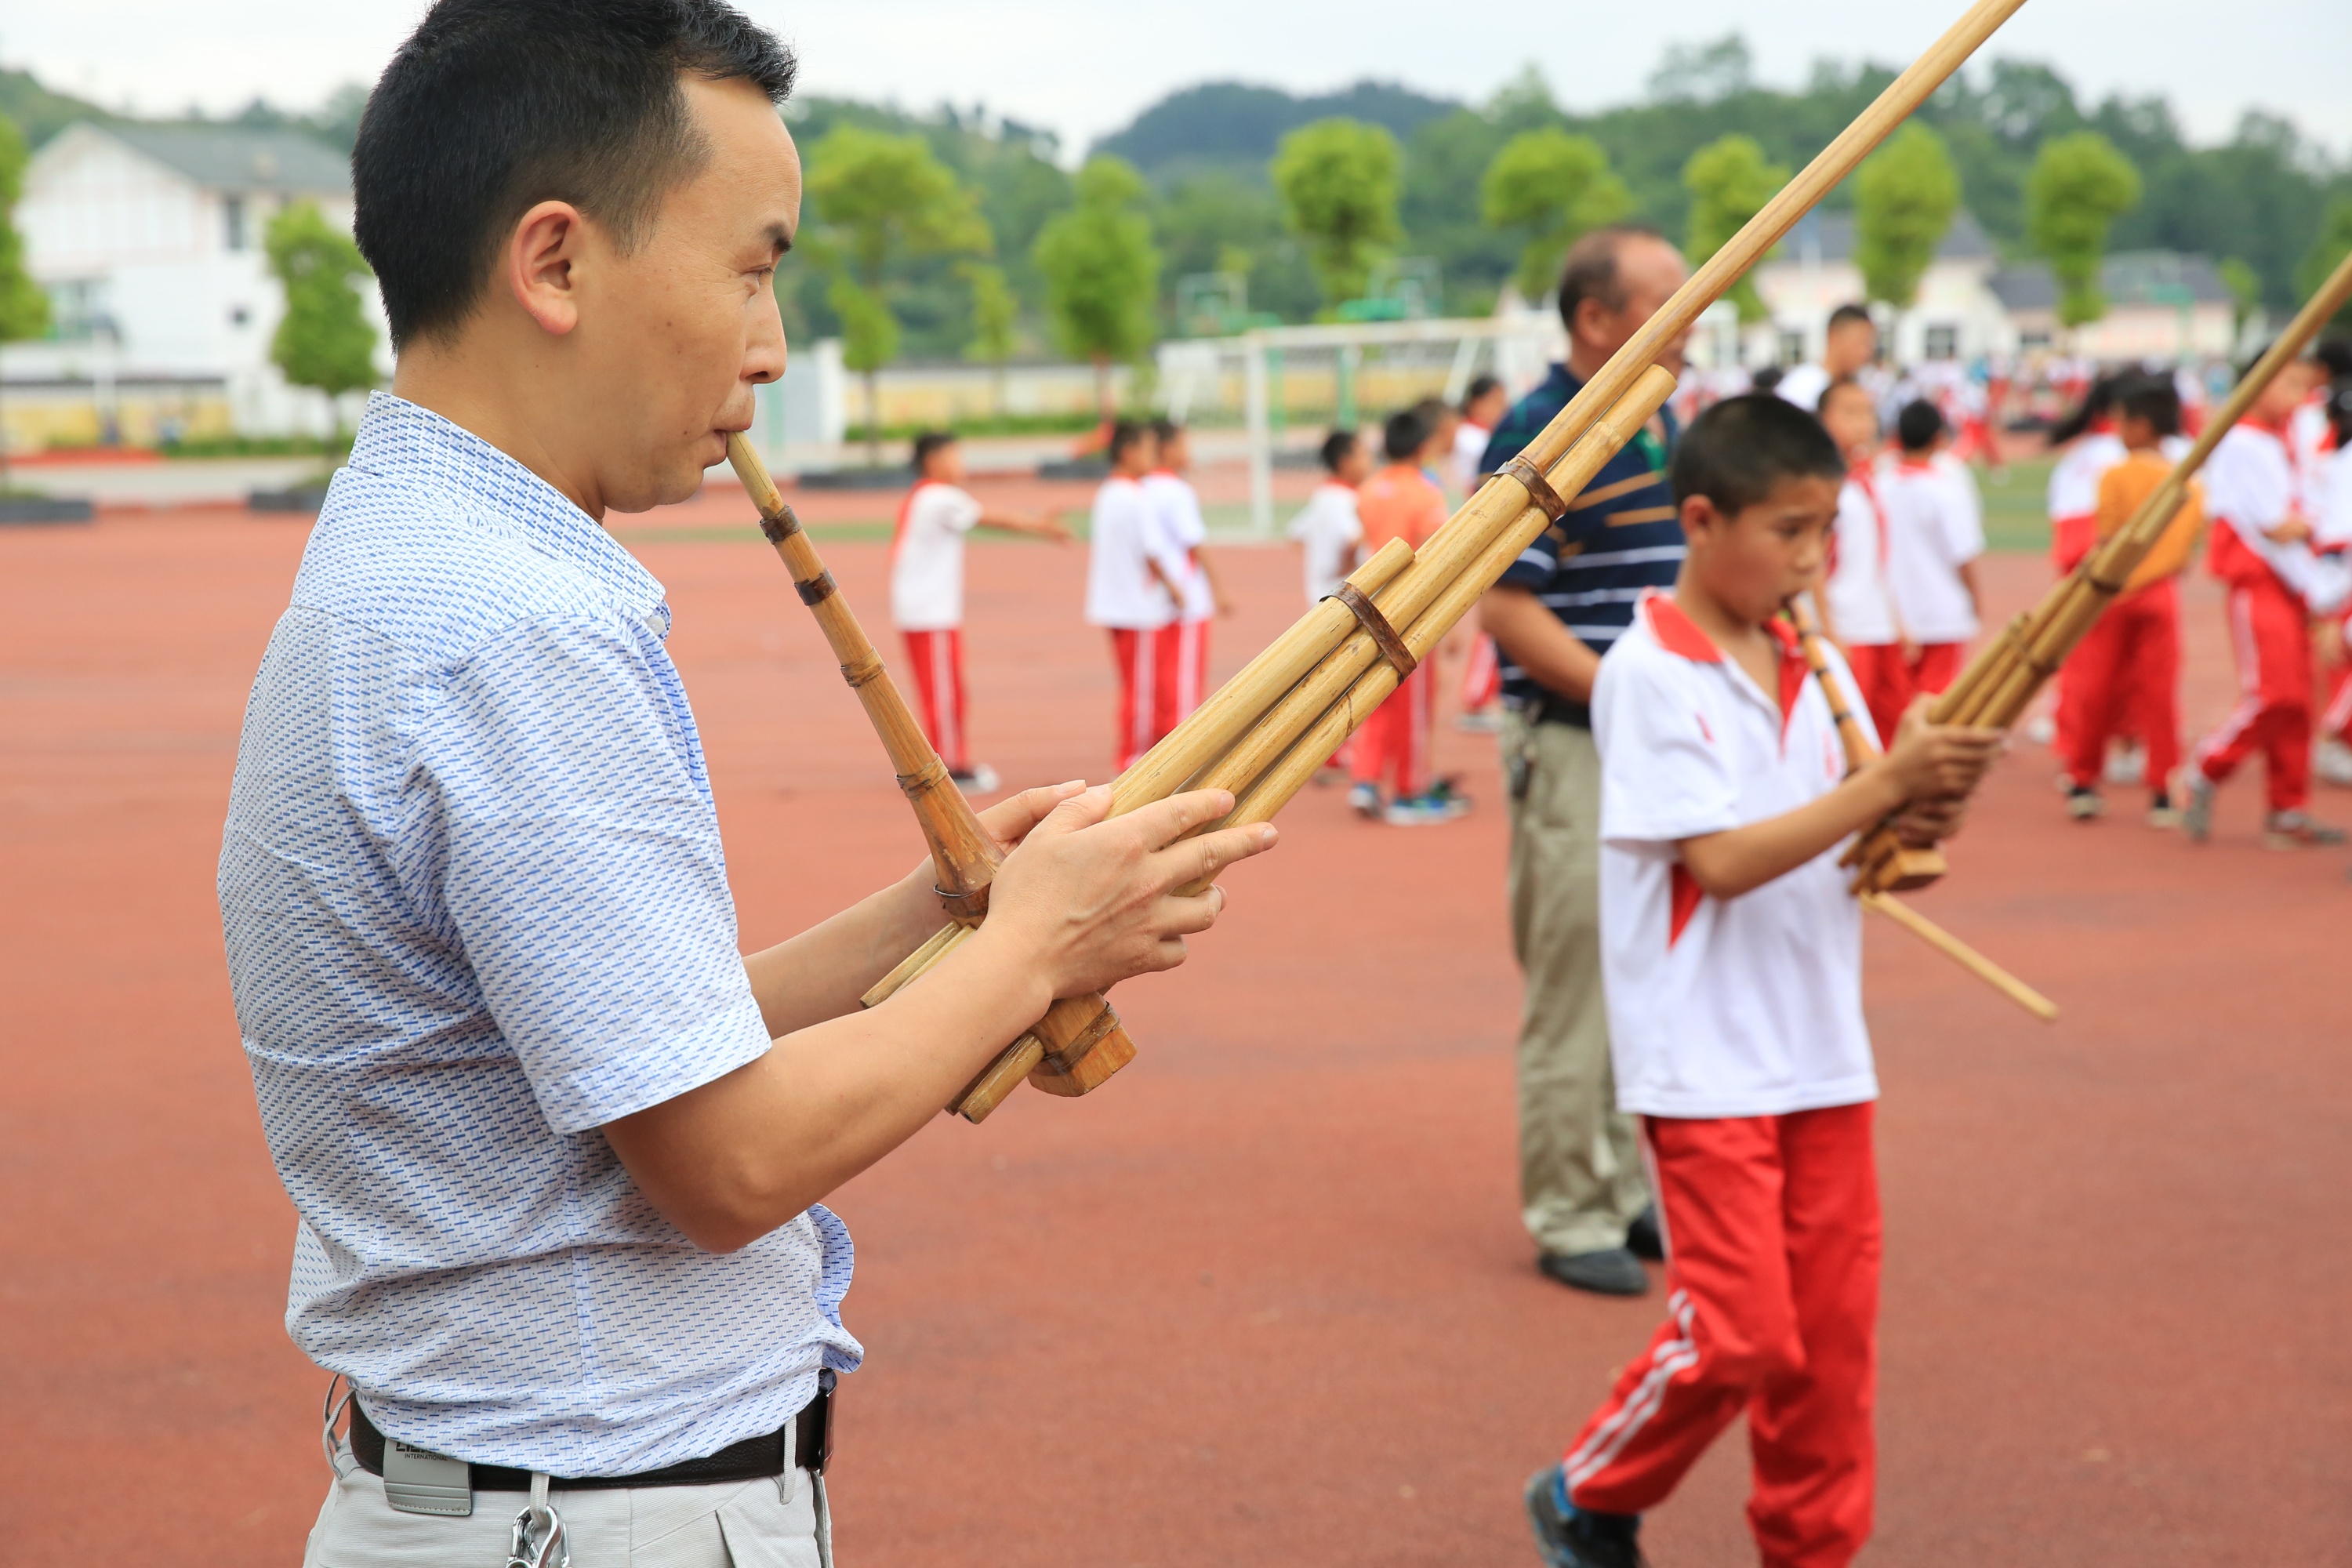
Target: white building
2161,306
1956,315
148,240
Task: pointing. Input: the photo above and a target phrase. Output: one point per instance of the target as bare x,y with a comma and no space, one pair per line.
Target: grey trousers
734,1524
1580,1175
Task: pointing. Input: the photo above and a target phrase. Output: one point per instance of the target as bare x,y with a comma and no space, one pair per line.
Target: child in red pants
1401,502
2124,673
1732,956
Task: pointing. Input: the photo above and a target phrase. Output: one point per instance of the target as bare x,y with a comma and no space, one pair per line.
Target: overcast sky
1083,68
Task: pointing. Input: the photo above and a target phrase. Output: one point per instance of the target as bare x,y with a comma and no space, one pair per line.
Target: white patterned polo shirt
475,907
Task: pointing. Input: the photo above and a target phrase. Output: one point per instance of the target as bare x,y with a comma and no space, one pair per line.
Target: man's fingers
1011,818
1164,822
1190,917
1077,811
1199,859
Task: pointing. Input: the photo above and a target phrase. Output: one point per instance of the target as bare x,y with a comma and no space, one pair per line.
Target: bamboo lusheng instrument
1998,683
964,854
1859,751
1523,499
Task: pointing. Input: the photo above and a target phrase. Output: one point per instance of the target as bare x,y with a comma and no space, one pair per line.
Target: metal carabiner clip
539,1539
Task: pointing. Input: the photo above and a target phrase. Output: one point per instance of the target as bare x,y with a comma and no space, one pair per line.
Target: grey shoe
1611,1271
2195,793
1571,1538
2296,830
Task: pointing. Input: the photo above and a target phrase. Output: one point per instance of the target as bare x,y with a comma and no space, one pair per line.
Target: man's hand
1086,903
1924,823
1931,762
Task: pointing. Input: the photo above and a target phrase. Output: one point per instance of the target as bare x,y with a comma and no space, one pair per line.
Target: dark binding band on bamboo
816,590
1531,480
866,669
780,527
1384,636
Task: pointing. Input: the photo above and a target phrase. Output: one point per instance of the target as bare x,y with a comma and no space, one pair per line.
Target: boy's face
1356,467
1176,452
1488,411
2137,433
945,465
2286,390
1851,418
1752,562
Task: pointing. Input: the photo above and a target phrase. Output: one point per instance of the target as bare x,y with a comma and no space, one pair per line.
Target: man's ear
542,253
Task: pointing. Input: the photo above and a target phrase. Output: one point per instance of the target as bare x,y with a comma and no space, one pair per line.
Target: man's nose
764,352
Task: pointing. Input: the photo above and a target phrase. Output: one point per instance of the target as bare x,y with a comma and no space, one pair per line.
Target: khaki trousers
1580,1177
732,1524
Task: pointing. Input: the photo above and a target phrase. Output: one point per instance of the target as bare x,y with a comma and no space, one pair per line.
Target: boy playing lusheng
1731,955
2128,664
927,592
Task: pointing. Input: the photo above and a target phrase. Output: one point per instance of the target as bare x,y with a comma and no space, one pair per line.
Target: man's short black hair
1734,452
1919,426
1482,384
1846,313
1124,434
2153,398
1590,271
1404,434
493,105
928,443
1336,448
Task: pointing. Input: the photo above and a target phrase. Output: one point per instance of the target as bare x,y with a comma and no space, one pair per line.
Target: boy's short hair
1847,315
1480,385
1336,448
493,105
1164,430
1404,434
1766,378
1821,403
1589,269
926,444
1919,426
1736,452
2339,410
2153,398
1124,434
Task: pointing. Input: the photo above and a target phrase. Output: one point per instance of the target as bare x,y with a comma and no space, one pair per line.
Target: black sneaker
1569,1537
1642,1237
1611,1271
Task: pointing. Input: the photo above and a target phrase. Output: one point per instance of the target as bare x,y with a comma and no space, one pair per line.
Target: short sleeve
583,872
1963,518
1664,775
958,511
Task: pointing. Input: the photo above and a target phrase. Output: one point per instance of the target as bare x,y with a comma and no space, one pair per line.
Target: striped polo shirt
1619,540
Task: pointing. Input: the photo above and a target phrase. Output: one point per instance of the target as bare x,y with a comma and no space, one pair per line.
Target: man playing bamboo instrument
555,1145
1553,614
1733,957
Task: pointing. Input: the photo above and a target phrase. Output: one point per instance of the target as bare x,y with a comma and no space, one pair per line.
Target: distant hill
1232,124
40,113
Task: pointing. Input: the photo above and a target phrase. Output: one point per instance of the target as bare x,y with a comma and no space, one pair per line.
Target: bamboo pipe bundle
1998,683
1504,502
1859,751
964,856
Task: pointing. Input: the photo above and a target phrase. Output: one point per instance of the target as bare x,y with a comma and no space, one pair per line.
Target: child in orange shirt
2125,673
1401,502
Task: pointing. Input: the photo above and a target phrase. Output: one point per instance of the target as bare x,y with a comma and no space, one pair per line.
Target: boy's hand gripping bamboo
1080,1039
1997,684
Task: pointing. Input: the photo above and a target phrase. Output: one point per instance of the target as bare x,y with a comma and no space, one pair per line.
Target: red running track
1265,1299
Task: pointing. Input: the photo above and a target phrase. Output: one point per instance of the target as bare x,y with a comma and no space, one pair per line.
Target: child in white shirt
1731,953
1135,576
927,592
1329,534
1176,512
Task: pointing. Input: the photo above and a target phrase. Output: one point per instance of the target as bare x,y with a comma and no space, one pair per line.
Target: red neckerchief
905,510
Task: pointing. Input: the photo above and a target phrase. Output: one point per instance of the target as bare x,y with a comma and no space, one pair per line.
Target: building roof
236,158
2161,277
1834,232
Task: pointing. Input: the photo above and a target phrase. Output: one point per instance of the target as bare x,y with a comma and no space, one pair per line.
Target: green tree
1904,198
2245,286
994,314
1555,186
1101,271
1339,180
324,338
2335,240
24,307
1729,181
878,199
2079,186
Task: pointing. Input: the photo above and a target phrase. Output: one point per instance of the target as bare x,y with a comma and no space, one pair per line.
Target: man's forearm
822,973
1532,638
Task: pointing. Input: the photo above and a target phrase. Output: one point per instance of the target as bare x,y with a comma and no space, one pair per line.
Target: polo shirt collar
489,490
1680,636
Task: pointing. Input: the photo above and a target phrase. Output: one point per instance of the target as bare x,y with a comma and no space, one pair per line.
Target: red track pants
937,661
1147,689
1772,1255
2124,678
2270,633
1192,666
1396,737
1889,681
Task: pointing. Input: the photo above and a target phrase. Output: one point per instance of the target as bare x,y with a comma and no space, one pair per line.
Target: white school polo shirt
1176,511
1121,593
1745,1008
926,558
1935,526
1860,598
1330,531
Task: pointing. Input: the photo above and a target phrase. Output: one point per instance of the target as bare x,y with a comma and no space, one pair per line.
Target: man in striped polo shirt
1554,613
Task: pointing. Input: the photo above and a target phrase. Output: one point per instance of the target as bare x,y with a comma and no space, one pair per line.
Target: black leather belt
751,1460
